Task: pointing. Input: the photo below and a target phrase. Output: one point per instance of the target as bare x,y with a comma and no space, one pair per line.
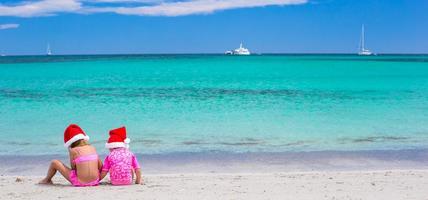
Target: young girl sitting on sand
121,163
85,164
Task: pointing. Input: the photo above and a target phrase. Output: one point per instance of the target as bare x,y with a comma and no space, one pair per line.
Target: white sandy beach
376,185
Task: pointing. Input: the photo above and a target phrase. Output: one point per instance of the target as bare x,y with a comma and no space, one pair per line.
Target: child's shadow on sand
69,185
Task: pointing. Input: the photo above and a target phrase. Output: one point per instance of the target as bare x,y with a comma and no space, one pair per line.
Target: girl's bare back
87,171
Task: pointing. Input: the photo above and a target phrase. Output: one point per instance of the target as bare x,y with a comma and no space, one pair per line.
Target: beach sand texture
391,185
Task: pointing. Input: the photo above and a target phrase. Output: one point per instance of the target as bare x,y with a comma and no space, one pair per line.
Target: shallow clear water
198,103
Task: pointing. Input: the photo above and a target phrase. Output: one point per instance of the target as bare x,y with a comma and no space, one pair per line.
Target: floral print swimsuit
120,163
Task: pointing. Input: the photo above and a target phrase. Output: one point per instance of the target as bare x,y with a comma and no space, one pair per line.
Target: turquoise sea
209,103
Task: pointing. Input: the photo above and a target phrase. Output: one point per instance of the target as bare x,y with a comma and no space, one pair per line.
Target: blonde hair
79,143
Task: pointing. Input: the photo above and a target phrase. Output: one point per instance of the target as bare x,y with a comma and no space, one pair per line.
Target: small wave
372,139
186,93
299,143
26,143
189,143
239,143
147,142
244,142
18,143
23,94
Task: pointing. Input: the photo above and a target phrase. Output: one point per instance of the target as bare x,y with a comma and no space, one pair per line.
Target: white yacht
239,51
363,51
48,50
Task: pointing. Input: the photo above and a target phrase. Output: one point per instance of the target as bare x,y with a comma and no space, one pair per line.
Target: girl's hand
139,179
139,182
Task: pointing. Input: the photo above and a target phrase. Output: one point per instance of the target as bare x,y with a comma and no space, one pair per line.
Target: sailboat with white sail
48,50
362,50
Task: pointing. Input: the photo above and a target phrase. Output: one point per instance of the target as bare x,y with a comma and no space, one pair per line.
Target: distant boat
48,50
363,51
239,51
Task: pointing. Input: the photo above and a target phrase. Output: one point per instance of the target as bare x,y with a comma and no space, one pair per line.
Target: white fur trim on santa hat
75,138
113,145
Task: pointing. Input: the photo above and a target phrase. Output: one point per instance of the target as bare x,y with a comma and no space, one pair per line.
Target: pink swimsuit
73,174
121,163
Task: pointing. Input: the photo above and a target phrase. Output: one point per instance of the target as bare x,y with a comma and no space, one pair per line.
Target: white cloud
40,8
124,1
156,7
8,26
194,7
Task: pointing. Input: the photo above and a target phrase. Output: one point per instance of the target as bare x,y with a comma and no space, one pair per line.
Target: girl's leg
55,166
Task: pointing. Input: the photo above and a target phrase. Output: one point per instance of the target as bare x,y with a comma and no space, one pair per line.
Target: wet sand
223,162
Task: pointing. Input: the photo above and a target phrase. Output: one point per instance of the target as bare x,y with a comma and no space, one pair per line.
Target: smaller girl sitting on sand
85,164
120,163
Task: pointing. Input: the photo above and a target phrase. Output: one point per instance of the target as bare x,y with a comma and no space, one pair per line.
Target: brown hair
79,143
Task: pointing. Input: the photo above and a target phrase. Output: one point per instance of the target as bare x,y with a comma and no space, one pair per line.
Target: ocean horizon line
172,54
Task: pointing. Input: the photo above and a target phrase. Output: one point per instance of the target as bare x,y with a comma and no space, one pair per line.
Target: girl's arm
137,170
100,165
104,168
72,155
138,179
103,174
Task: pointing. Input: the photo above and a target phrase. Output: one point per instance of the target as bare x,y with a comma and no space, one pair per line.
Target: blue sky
211,26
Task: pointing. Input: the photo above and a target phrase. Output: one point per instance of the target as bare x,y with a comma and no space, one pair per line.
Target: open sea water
210,103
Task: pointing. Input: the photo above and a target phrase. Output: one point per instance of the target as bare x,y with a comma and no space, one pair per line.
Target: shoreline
260,162
386,184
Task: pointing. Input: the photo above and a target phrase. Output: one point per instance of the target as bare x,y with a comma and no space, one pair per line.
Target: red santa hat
72,134
118,138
